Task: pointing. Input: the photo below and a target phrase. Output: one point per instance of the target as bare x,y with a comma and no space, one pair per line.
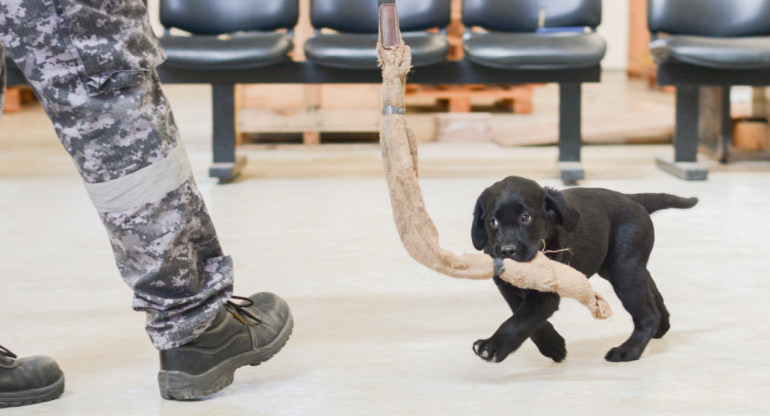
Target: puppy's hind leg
664,324
636,294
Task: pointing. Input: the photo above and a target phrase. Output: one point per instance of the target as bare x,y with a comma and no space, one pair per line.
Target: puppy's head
513,217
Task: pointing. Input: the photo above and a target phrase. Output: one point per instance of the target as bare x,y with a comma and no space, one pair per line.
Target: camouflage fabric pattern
169,254
52,46
91,64
2,78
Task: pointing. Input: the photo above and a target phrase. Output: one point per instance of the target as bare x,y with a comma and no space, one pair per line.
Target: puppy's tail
656,202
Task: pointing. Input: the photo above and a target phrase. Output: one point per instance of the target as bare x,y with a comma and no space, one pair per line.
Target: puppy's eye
494,224
526,218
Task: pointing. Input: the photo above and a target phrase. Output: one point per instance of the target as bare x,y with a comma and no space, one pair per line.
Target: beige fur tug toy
416,229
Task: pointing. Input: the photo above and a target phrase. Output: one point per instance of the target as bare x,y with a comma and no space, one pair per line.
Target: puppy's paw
485,349
623,354
488,350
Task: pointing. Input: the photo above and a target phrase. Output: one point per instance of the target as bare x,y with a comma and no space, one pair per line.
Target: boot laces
6,352
241,313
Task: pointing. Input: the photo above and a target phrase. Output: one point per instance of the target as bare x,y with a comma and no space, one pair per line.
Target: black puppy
594,231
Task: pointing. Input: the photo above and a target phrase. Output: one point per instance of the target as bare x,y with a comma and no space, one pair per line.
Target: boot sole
22,398
178,385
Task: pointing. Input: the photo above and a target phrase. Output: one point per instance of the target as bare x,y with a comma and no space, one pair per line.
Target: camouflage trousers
92,65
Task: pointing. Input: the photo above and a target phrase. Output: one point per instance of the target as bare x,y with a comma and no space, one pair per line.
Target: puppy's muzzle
508,250
516,252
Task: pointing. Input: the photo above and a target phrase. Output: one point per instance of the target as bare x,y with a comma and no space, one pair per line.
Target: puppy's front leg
545,337
535,309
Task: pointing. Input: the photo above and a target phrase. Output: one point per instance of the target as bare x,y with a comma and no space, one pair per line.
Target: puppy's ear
560,212
478,230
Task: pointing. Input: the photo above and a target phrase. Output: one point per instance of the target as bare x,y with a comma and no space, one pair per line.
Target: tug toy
417,231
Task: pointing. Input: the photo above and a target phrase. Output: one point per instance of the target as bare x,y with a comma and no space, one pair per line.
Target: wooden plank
353,96
469,127
640,63
308,121
348,119
12,100
255,120
454,32
460,104
749,103
279,97
751,135
311,138
309,109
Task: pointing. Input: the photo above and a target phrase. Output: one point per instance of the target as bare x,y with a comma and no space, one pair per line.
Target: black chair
708,43
250,55
251,40
356,25
554,37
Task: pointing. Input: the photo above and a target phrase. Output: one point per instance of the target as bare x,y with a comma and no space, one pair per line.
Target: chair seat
249,50
358,51
721,53
561,50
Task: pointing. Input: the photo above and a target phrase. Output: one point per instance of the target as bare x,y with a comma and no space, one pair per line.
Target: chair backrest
525,15
719,18
215,17
361,16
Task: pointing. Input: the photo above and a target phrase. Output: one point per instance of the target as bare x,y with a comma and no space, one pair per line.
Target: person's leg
91,63
104,99
26,380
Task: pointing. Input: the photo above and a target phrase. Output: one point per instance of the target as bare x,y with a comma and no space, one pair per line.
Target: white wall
614,29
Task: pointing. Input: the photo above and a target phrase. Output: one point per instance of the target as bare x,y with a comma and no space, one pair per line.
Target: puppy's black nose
508,250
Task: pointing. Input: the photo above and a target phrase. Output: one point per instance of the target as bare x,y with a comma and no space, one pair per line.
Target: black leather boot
246,333
28,380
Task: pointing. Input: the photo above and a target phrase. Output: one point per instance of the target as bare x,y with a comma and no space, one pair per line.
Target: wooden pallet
454,32
308,109
516,98
341,108
640,63
15,97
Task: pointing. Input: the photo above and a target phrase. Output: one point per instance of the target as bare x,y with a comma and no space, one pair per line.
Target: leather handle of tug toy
415,228
390,31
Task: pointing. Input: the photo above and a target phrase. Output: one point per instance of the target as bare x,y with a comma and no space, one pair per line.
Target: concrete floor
376,333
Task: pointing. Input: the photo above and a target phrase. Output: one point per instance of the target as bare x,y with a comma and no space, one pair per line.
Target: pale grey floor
376,333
